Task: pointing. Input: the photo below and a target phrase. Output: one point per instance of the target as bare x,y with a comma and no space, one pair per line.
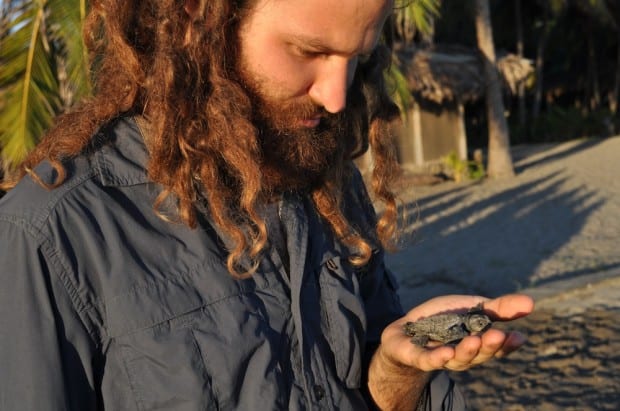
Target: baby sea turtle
447,328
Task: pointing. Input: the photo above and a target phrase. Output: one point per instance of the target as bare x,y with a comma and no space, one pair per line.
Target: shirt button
319,392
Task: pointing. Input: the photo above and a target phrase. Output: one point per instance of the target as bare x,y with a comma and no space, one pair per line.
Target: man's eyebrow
313,42
319,45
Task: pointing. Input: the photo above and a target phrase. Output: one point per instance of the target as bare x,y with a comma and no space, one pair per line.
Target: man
196,236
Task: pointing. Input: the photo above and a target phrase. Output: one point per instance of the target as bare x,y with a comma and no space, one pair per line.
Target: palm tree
43,70
500,159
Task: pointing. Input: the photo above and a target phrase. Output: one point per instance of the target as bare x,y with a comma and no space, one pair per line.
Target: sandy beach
551,232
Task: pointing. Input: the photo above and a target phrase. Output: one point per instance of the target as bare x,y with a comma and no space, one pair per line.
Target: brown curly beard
294,157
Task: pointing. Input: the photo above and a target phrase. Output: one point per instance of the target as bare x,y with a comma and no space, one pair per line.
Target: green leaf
398,87
66,18
27,81
43,69
418,15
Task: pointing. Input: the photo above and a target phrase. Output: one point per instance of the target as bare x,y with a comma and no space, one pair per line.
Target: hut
441,80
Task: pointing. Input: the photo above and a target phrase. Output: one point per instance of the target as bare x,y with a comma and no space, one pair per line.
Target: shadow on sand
525,157
465,243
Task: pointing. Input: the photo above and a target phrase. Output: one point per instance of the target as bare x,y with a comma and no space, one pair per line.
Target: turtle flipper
420,340
477,309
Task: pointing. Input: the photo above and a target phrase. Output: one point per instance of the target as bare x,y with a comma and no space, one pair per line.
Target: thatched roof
455,74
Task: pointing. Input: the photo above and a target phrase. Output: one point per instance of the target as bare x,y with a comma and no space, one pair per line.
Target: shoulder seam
44,243
42,214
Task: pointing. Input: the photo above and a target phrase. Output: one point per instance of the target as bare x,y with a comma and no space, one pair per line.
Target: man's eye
306,53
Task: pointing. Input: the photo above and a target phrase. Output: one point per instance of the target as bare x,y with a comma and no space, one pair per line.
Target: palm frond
397,86
28,82
43,70
65,20
412,16
422,13
416,15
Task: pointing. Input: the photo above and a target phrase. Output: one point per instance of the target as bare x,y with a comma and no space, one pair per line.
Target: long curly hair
146,55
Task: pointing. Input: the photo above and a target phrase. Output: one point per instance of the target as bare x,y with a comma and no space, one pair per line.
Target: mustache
299,110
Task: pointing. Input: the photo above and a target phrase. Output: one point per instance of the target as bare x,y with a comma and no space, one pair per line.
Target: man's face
297,61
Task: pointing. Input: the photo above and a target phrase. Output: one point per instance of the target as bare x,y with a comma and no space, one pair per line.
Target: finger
470,353
400,350
492,341
465,353
514,340
434,358
509,307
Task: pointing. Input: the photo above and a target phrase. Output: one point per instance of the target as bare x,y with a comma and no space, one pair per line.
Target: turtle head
477,322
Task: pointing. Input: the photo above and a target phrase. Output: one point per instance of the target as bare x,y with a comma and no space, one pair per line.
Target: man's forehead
344,26
381,8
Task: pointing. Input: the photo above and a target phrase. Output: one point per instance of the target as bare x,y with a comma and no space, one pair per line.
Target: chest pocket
343,310
190,343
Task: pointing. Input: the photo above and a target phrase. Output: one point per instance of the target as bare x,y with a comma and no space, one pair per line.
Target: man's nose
332,81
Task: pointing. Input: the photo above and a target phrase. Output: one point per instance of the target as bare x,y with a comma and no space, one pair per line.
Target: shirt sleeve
46,354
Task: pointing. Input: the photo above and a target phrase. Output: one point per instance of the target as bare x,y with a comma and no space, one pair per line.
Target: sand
552,232
571,363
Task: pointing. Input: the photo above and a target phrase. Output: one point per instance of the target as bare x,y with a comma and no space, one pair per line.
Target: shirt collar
122,157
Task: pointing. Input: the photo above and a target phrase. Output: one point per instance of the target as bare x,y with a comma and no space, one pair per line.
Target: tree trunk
500,160
593,94
540,63
613,94
521,86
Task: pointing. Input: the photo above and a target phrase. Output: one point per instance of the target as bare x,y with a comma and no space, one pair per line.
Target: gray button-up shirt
105,305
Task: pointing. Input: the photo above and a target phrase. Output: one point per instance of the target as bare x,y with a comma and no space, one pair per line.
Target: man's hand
399,369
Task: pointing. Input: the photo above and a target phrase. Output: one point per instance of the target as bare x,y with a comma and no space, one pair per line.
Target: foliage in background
415,16
579,66
559,123
410,18
463,170
43,70
397,84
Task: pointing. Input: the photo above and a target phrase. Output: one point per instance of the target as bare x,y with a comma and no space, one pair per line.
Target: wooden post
416,129
461,134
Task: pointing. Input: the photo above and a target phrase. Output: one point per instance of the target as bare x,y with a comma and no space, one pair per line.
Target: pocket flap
151,303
